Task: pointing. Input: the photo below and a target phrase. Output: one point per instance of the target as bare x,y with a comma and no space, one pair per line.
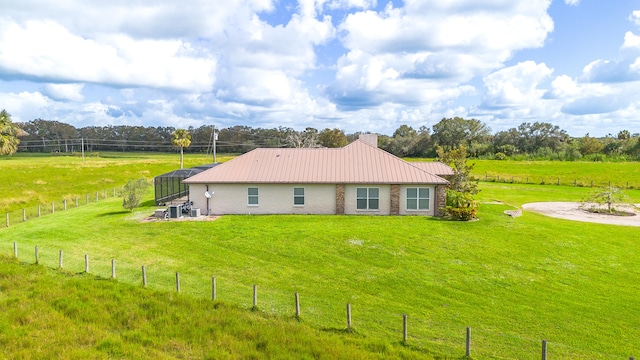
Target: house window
417,198
367,198
252,196
298,196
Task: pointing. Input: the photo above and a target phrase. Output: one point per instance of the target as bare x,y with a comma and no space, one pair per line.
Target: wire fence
69,202
437,339
555,180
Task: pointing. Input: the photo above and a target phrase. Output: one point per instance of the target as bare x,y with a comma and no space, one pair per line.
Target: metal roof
434,167
358,162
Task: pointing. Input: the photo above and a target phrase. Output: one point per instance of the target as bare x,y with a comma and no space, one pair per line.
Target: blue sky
357,65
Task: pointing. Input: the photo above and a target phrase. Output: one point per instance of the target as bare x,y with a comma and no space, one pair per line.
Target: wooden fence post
144,277
213,288
297,305
38,210
177,281
97,194
65,204
15,249
60,264
255,296
7,219
113,268
404,329
37,256
348,316
53,207
558,181
86,263
544,349
24,214
468,343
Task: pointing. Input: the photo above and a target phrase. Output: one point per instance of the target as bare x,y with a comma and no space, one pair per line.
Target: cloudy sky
357,65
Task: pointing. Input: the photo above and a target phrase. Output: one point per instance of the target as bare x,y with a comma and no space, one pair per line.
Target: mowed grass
27,180
49,314
513,281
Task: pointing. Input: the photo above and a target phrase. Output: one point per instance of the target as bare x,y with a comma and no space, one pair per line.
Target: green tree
608,197
460,204
533,137
181,138
461,180
9,133
590,145
332,138
133,192
624,135
455,132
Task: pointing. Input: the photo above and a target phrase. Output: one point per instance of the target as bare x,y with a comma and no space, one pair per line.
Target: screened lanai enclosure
169,186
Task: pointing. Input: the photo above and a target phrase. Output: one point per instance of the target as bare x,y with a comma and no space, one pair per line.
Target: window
367,198
252,196
417,198
298,196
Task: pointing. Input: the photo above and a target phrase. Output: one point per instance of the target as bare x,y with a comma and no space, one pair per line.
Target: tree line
538,140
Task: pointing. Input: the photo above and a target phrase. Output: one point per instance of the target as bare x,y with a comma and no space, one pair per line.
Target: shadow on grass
148,203
113,213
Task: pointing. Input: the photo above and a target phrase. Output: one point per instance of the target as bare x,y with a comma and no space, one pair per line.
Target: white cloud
635,17
46,50
427,50
72,92
516,86
572,2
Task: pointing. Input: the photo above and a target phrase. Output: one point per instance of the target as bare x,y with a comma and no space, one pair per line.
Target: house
359,178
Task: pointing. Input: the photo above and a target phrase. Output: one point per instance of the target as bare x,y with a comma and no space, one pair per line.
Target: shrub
460,206
500,156
133,192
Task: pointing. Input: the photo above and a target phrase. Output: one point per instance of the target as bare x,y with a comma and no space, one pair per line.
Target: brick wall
340,199
395,199
441,199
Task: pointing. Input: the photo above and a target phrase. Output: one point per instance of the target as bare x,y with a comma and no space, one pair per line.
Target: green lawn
513,281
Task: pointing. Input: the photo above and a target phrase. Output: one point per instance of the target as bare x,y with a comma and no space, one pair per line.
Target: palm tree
181,138
9,134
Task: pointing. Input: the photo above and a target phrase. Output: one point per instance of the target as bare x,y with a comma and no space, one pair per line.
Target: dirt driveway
572,211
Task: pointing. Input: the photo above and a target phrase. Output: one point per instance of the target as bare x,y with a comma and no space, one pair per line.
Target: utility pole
215,137
82,149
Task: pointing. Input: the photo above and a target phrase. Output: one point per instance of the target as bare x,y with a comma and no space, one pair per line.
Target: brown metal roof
434,167
357,162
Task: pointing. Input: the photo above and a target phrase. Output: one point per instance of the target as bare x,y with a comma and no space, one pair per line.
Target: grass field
27,180
622,174
49,314
513,281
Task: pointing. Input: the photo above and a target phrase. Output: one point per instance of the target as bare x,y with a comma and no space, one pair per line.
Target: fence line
25,214
553,180
403,337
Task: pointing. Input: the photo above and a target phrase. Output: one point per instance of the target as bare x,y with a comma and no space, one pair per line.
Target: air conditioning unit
175,211
195,212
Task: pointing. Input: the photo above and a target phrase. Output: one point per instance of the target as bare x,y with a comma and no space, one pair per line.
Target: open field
27,180
621,174
513,281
